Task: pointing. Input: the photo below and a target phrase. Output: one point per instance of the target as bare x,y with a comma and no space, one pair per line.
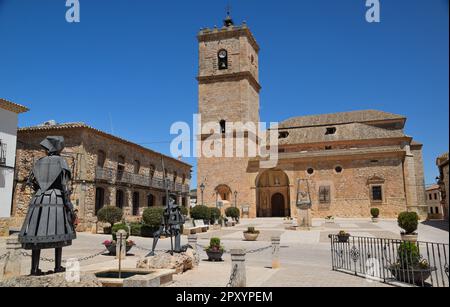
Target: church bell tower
228,92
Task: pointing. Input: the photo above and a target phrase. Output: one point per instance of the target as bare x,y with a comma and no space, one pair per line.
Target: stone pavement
304,255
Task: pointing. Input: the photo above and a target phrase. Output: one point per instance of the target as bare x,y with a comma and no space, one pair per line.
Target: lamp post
202,189
235,198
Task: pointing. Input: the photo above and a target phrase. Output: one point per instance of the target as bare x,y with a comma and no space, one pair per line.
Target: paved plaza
304,255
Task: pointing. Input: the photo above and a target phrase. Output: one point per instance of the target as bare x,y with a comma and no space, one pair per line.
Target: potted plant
251,234
214,250
329,219
343,236
375,212
111,246
408,221
410,267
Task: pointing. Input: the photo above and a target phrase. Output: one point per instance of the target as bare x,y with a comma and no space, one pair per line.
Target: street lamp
235,198
202,189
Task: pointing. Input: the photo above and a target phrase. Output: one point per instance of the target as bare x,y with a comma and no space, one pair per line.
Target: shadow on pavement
441,224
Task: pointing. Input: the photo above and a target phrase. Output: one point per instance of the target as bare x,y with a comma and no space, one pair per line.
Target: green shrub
153,216
233,212
184,210
200,212
110,214
118,227
148,231
375,212
214,245
135,229
408,221
214,214
408,256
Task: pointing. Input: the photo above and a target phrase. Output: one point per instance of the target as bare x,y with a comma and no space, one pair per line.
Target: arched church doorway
272,194
277,203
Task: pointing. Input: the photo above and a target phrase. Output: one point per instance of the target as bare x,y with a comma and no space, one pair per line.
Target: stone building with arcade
352,161
106,171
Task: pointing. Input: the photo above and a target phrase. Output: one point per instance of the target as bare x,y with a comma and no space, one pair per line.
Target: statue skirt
48,222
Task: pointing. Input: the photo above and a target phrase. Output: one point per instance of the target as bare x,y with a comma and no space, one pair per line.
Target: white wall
8,135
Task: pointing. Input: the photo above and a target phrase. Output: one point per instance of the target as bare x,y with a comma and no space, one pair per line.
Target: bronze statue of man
49,222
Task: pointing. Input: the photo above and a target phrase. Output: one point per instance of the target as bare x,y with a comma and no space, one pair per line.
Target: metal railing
2,153
423,264
112,175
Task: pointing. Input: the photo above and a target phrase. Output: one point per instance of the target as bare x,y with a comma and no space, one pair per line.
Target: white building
9,112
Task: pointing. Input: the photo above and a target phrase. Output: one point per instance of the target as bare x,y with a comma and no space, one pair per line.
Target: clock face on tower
222,54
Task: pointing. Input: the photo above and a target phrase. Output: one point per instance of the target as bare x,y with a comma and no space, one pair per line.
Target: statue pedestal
304,220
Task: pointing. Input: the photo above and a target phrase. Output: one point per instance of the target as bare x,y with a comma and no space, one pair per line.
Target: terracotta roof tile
12,106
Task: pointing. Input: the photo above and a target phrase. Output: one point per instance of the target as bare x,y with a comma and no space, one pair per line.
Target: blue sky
129,67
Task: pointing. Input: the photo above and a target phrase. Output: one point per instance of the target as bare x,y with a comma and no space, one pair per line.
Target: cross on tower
228,21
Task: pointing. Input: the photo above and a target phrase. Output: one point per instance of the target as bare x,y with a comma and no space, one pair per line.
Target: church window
377,193
101,157
283,134
338,169
310,171
222,56
324,195
223,124
330,131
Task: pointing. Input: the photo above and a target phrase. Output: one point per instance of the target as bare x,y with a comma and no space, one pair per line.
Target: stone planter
375,219
214,255
112,248
409,237
251,236
414,276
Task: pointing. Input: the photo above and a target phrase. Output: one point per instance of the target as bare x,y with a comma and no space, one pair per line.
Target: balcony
114,176
2,153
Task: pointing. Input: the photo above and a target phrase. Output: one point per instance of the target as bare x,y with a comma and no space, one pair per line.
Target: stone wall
4,227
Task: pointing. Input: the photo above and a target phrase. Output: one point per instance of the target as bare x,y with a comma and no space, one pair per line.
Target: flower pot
250,236
214,255
112,249
375,219
416,276
409,237
343,238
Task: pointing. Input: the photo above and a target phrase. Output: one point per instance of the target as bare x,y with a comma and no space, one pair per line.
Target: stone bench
190,229
201,224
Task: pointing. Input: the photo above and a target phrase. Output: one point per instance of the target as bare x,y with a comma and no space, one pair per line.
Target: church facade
346,162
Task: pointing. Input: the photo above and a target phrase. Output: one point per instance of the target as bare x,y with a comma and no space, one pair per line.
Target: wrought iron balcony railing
2,153
112,176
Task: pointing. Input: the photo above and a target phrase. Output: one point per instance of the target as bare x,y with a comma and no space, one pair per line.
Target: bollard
275,252
13,260
192,241
121,244
238,277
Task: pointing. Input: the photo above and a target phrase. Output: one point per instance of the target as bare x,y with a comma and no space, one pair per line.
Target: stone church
349,162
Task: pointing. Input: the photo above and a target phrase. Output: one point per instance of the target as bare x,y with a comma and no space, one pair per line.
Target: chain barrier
232,276
149,249
4,256
253,251
51,260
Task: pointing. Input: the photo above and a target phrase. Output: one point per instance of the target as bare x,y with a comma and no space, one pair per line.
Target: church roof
364,116
344,132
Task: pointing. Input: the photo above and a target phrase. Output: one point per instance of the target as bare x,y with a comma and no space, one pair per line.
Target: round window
338,169
310,171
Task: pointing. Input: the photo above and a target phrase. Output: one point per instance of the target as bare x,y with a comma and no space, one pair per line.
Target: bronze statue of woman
49,222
